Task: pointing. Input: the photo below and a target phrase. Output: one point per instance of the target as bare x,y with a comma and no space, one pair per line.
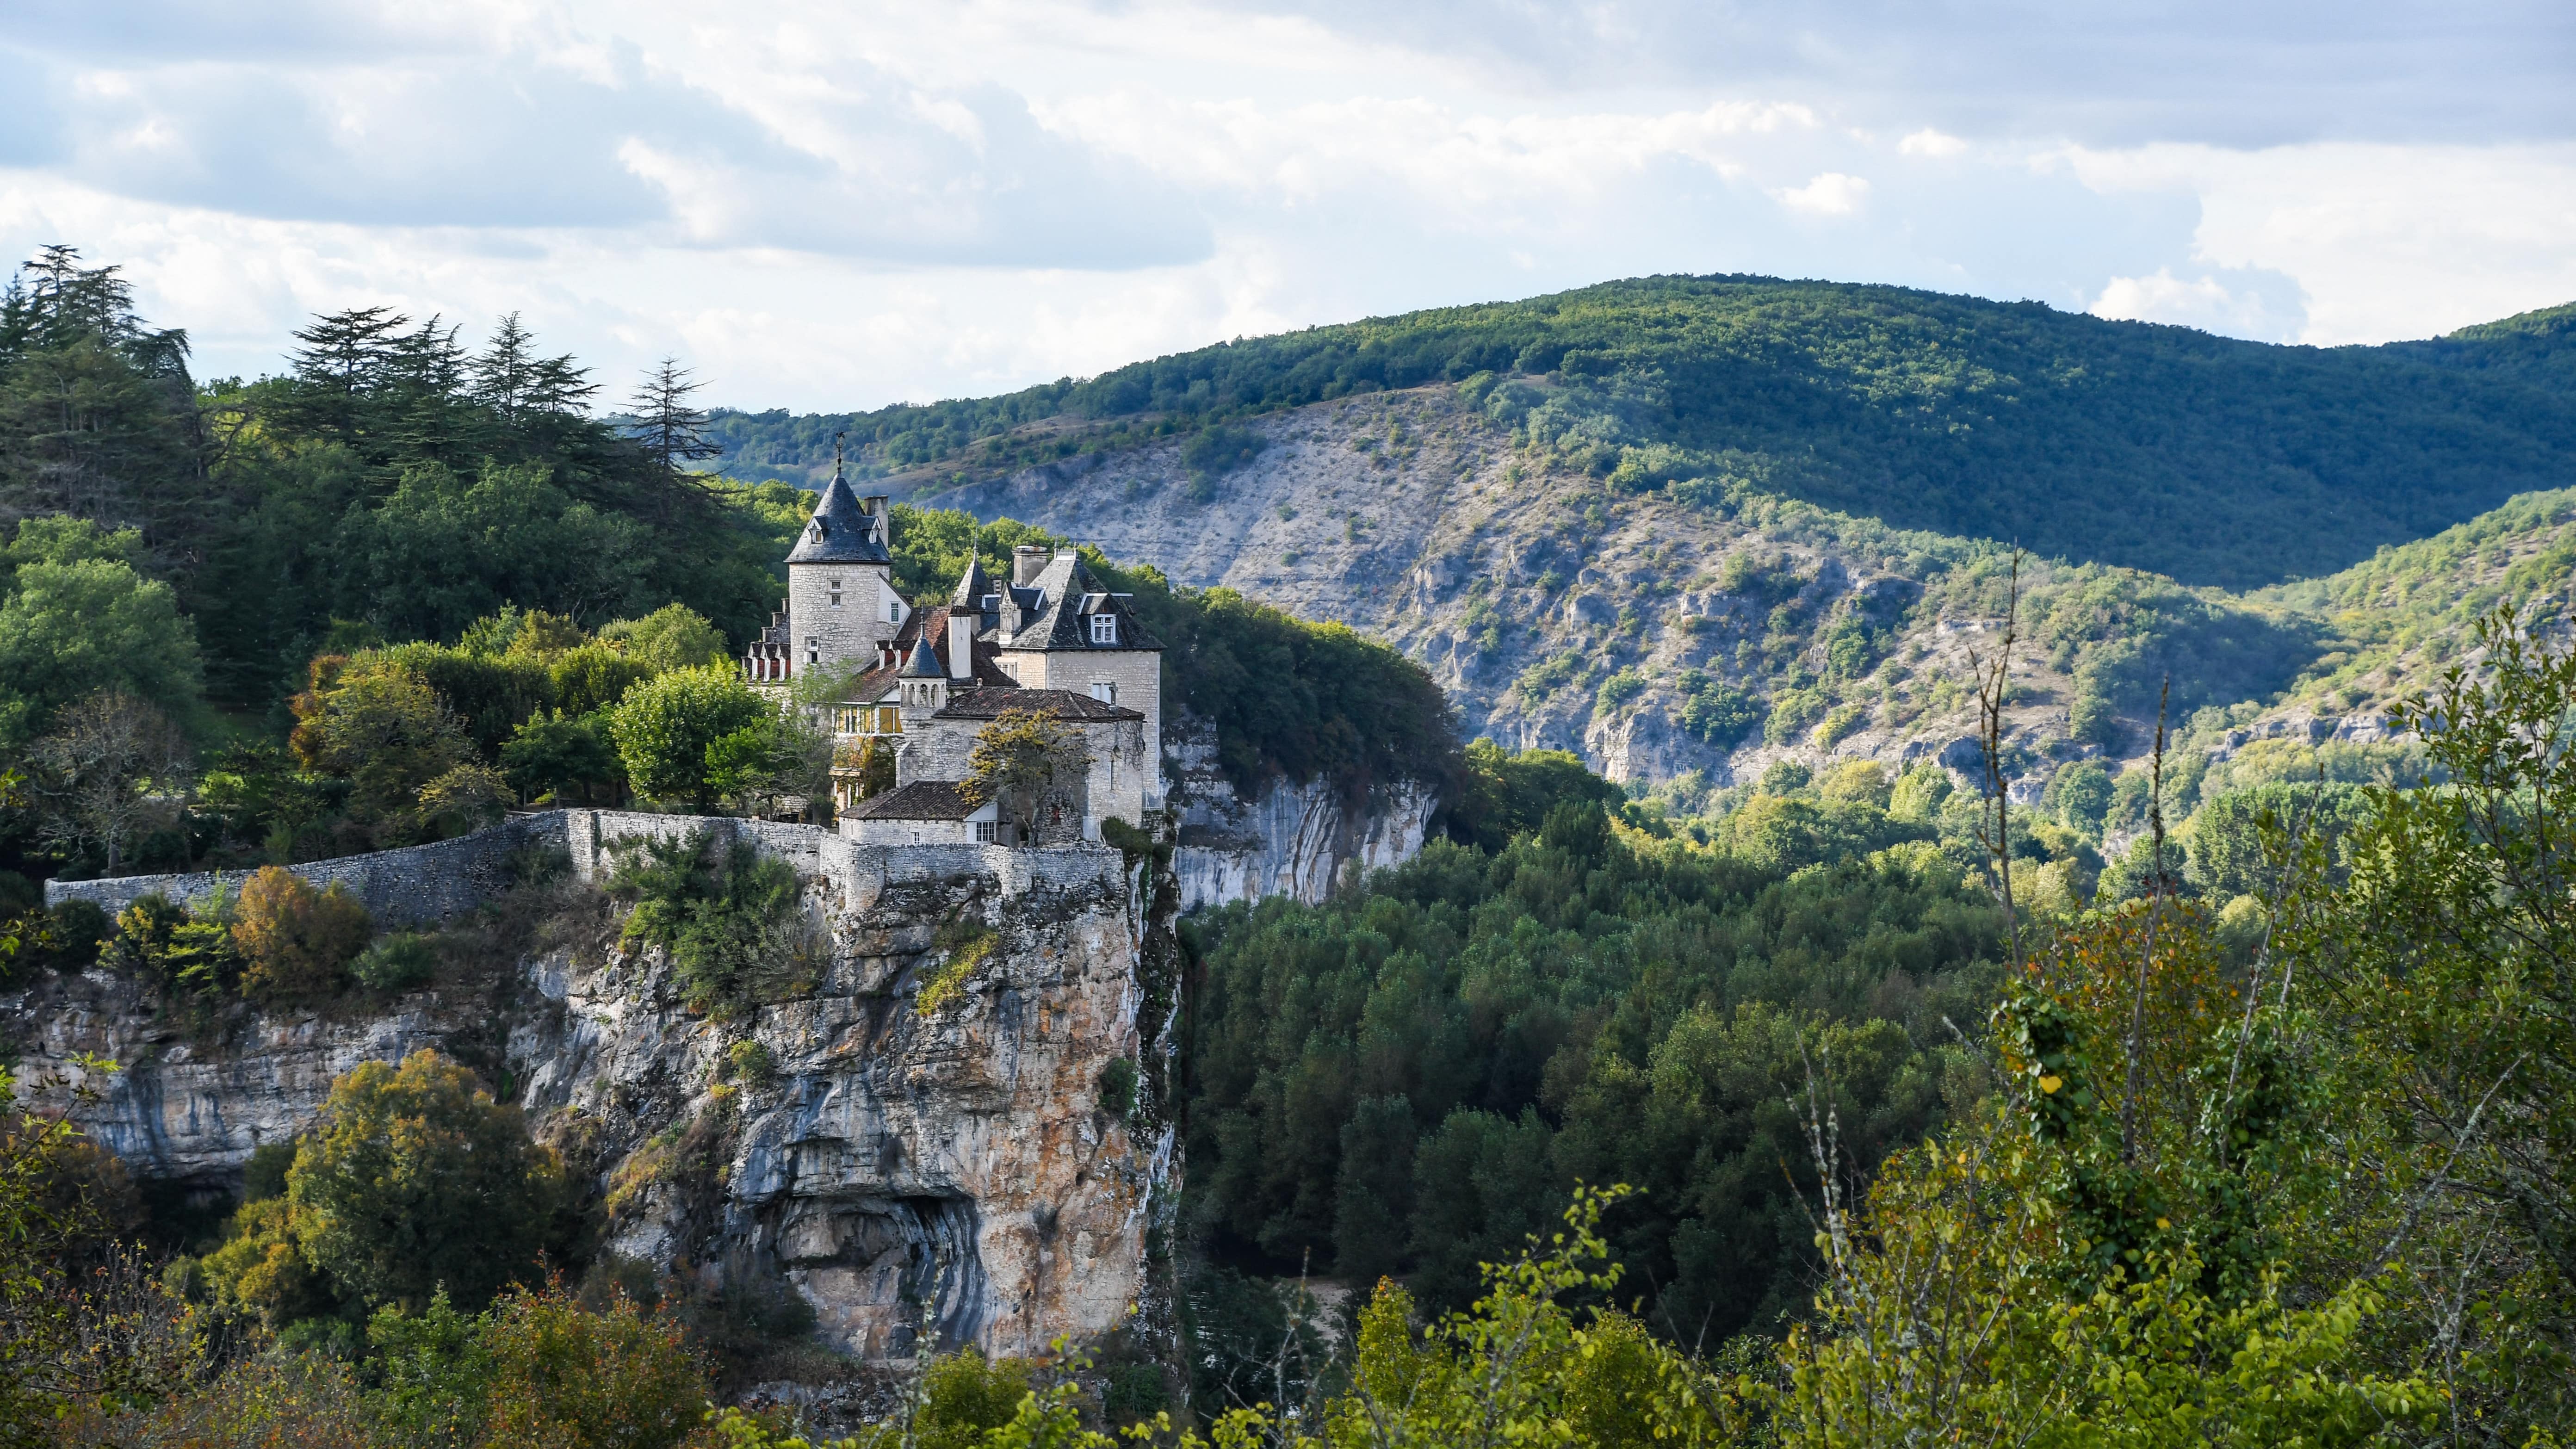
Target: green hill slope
2211,460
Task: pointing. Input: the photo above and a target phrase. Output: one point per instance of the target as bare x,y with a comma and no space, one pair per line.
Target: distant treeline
2212,460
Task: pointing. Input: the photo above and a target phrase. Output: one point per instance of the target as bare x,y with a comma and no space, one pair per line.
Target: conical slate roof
923,664
841,530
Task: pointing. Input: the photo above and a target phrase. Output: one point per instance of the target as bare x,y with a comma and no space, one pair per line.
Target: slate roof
1068,597
924,663
1061,704
920,800
841,530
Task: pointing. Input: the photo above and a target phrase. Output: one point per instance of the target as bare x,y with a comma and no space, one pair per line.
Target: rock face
906,1124
1293,840
1527,588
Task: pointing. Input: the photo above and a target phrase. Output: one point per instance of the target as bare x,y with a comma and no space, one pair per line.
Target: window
813,651
894,609
836,593
1104,691
1104,628
889,720
986,831
849,724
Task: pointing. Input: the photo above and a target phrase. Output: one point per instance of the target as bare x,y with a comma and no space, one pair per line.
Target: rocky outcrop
907,1125
1302,841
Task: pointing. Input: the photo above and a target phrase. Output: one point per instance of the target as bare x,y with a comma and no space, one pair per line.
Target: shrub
616,1378
963,1397
1840,723
396,963
1716,714
727,915
1118,1087
295,942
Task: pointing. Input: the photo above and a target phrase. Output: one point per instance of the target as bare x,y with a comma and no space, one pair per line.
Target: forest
2209,460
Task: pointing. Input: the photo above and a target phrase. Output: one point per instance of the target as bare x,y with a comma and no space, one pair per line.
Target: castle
1049,642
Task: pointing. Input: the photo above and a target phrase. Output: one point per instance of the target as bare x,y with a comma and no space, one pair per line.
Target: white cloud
2203,302
2386,241
1830,194
829,205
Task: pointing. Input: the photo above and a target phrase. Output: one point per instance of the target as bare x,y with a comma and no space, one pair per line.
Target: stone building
924,682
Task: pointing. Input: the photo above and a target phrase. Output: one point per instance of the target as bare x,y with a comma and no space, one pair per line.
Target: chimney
961,646
1028,561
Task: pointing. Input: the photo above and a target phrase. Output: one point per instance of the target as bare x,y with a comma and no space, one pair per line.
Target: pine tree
671,430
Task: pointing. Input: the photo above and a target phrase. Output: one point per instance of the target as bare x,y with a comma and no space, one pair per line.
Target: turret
841,600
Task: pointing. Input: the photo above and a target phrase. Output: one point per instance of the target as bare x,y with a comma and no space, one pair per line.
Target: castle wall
415,885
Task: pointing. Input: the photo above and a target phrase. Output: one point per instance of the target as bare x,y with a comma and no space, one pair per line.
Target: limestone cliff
1302,841
1527,587
907,1128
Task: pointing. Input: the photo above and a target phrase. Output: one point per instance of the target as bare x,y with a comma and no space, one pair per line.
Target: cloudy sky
823,205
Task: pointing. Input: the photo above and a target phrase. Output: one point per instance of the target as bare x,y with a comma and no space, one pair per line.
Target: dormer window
1104,628
894,609
836,593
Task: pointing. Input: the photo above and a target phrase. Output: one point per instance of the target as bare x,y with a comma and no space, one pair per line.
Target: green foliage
1506,793
564,757
1409,1078
670,733
1214,451
673,636
1117,1087
1033,768
727,914
1715,712
2158,448
396,963
612,1378
933,546
415,1180
74,622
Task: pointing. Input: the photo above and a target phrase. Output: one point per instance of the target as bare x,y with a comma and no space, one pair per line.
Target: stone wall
416,885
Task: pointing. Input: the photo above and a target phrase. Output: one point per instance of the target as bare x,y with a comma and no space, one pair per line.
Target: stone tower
841,600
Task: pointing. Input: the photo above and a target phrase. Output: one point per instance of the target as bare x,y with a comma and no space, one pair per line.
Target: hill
2209,460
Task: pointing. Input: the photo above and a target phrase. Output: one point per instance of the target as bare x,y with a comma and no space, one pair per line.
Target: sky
836,205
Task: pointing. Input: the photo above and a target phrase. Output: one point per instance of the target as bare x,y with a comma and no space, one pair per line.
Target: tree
112,767
381,728
445,550
1035,768
672,430
514,383
296,942
666,727
69,630
559,755
674,636
416,1180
